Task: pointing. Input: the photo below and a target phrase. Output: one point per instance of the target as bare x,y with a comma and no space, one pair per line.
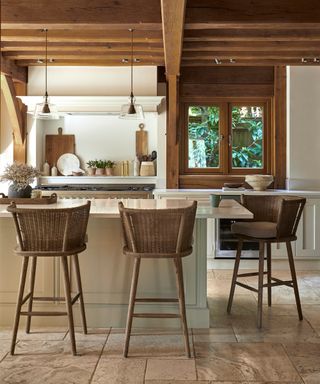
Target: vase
99,171
13,192
109,171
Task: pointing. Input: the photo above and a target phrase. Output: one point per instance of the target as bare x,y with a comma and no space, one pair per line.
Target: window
226,137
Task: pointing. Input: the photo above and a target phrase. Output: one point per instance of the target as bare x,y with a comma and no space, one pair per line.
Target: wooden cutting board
141,141
57,145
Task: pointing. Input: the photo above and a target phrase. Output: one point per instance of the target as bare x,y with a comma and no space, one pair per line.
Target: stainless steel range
99,191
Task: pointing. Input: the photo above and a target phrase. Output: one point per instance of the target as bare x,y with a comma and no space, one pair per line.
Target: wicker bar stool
157,234
44,233
276,219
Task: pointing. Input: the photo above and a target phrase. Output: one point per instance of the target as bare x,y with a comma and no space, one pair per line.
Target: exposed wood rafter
9,67
16,109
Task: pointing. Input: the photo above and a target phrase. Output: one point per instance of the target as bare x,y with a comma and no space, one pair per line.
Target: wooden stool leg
182,304
133,292
235,274
79,286
23,276
269,273
32,280
260,283
68,302
294,279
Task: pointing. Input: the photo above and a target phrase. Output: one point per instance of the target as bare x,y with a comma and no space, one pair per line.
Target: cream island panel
106,272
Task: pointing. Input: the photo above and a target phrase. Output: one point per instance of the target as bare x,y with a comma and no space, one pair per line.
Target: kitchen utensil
68,163
141,141
57,145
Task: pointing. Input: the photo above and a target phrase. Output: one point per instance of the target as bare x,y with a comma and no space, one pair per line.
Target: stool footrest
156,300
43,313
250,274
157,315
75,298
246,286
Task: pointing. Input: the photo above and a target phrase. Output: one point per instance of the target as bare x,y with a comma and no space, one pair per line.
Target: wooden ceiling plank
248,55
13,106
90,62
84,26
83,48
172,27
81,55
10,68
252,12
80,11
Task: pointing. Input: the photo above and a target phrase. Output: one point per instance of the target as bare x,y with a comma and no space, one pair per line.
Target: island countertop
108,208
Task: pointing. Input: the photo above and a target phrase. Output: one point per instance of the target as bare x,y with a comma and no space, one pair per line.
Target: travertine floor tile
119,371
4,348
217,334
171,369
50,362
147,346
244,361
276,329
94,334
180,382
306,359
150,331
37,333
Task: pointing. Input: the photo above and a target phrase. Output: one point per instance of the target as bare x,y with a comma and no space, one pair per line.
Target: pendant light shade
131,111
46,110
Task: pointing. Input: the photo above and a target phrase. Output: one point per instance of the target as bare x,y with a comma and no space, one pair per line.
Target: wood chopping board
57,145
141,141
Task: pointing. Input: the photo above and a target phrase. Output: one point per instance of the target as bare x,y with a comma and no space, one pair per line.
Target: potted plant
109,167
21,176
100,167
91,169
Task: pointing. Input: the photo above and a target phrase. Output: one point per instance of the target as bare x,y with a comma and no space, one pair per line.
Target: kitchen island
106,272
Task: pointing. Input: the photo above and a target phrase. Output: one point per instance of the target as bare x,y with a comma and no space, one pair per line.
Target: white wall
93,81
303,127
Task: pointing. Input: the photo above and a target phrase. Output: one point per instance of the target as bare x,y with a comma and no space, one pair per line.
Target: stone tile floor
232,351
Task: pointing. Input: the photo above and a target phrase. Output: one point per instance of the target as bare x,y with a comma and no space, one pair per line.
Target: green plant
91,163
110,164
100,163
20,174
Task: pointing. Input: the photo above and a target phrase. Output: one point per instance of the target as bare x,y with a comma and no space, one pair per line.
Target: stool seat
257,229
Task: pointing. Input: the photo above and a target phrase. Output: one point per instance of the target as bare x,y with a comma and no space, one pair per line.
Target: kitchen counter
106,272
306,193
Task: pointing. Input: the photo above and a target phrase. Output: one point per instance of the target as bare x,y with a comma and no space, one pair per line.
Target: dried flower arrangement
20,174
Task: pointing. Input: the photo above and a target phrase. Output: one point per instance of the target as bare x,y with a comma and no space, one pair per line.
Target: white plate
68,163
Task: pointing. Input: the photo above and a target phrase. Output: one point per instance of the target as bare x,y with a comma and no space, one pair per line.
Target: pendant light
46,110
131,111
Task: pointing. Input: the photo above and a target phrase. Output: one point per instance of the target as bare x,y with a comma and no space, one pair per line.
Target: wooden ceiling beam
248,55
172,28
83,47
247,11
10,68
84,26
249,62
83,56
213,46
80,11
91,62
248,35
14,107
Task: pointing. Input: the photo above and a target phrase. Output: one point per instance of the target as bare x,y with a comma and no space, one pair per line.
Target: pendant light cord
131,30
46,63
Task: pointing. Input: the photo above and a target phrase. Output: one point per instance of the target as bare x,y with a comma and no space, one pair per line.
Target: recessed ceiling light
232,61
316,60
217,61
40,61
125,61
136,60
304,60
51,60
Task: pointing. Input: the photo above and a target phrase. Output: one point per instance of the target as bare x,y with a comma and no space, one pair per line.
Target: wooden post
280,125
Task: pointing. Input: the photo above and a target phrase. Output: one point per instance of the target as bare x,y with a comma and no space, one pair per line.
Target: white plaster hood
94,104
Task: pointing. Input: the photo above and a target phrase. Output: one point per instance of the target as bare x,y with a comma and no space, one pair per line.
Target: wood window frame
225,105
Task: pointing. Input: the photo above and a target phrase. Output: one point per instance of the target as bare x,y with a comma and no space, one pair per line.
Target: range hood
95,105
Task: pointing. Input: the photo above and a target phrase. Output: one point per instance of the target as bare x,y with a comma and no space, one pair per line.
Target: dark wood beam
252,12
172,27
92,62
9,67
80,11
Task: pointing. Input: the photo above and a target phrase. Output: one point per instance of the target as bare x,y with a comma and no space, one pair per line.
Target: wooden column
280,125
173,14
20,150
173,132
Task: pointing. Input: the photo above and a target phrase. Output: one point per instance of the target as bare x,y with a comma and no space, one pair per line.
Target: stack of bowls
259,182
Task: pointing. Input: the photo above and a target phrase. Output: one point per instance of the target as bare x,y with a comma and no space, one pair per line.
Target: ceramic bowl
259,182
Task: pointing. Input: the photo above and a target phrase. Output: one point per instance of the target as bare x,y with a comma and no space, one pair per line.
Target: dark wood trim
280,126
